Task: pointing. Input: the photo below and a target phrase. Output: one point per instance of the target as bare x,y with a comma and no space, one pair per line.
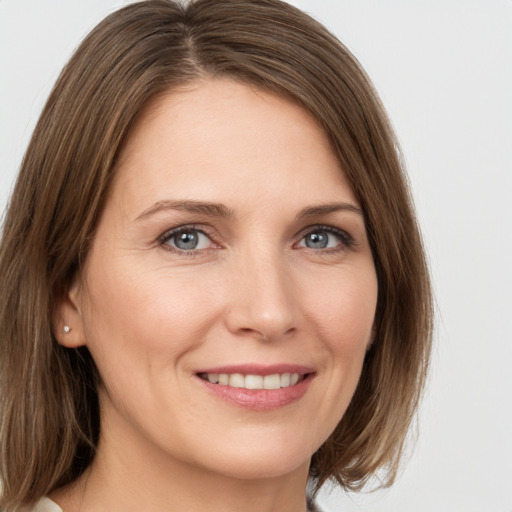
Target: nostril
265,336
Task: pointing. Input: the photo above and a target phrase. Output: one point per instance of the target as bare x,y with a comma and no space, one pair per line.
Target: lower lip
260,399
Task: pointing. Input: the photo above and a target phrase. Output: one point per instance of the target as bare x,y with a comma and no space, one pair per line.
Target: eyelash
191,228
346,240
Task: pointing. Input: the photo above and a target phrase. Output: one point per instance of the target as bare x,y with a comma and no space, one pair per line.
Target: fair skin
230,243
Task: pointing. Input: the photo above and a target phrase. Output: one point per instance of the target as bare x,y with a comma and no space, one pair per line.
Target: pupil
317,241
186,241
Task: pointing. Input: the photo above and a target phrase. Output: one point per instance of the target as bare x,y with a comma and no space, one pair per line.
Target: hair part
49,404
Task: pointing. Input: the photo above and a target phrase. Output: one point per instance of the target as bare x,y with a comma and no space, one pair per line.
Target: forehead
219,137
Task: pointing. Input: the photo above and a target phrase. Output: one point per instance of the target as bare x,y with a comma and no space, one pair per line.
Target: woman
213,284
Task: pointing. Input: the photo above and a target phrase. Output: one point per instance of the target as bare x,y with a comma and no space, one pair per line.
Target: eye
326,237
187,239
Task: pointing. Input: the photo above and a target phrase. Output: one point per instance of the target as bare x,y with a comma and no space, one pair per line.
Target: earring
66,329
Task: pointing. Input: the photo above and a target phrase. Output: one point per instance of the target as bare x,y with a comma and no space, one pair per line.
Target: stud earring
66,329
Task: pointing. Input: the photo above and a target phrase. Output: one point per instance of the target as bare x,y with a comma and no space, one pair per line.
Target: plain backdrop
444,71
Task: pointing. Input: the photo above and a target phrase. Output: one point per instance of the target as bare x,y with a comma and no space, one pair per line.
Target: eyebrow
219,210
325,209
201,207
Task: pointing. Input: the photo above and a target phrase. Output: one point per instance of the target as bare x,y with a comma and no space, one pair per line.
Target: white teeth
285,380
213,378
237,380
253,382
272,381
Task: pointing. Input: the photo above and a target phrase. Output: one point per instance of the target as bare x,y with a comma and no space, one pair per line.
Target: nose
262,302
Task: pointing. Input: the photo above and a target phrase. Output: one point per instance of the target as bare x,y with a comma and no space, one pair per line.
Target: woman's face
231,248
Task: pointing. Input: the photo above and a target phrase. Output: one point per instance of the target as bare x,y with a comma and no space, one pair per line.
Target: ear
68,325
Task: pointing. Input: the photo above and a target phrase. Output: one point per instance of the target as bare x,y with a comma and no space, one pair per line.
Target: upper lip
258,369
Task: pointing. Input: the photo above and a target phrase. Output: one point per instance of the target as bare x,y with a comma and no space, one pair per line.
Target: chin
258,468
261,457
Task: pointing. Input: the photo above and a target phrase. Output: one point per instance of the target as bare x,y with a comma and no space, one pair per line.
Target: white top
46,505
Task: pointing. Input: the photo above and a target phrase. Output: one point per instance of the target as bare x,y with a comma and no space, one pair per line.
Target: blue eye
187,239
326,238
317,240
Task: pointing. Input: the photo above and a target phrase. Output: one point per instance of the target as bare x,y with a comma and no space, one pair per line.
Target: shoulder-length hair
49,406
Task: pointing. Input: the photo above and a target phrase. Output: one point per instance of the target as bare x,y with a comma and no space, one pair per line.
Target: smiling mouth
239,380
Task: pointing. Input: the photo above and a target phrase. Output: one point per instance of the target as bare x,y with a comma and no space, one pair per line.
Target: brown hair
49,404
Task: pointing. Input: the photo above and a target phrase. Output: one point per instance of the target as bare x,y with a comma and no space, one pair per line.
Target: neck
130,477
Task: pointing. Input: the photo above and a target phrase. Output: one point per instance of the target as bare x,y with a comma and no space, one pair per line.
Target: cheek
339,315
344,318
129,310
344,311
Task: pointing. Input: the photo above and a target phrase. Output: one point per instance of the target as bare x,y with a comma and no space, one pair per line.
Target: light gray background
444,71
